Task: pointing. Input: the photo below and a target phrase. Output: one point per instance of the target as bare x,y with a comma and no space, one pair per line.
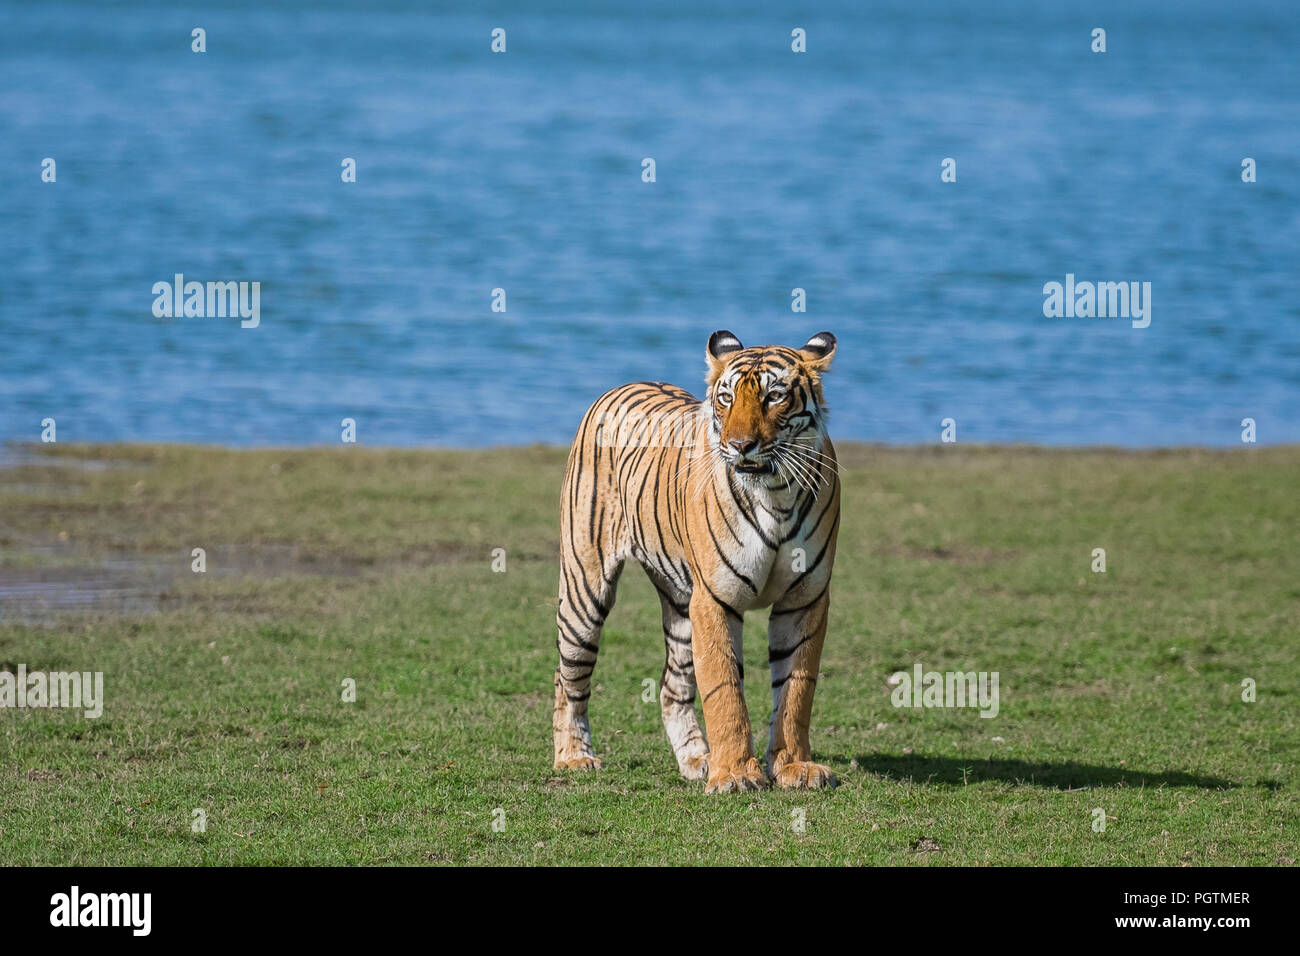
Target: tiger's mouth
754,467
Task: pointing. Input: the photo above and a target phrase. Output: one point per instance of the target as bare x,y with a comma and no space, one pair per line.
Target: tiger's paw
577,762
748,775
694,767
804,775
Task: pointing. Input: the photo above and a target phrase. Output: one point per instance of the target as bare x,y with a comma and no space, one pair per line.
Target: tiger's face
768,414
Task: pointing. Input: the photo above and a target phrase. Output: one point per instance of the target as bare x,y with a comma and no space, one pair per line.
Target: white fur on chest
772,572
792,559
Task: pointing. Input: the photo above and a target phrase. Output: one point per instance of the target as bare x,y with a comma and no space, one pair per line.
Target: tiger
730,504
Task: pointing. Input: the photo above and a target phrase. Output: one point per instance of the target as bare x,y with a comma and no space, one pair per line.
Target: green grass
1119,690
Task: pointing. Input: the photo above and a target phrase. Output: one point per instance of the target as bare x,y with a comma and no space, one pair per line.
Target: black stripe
802,607
722,555
775,656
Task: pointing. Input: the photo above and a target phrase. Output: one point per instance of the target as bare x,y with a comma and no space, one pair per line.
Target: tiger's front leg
795,636
715,635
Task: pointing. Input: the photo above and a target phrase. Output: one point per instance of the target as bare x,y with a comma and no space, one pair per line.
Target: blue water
523,171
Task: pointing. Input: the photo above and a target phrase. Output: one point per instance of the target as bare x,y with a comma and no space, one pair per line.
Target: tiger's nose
743,446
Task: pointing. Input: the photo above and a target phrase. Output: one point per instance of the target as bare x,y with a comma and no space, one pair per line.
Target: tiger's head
768,413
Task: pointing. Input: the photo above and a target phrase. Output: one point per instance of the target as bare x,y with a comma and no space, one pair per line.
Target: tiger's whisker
796,454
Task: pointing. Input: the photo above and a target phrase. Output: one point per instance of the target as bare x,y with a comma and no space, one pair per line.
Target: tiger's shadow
1068,775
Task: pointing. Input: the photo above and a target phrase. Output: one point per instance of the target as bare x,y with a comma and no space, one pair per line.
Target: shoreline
14,451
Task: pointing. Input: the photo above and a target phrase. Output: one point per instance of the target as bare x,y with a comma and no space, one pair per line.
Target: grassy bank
1119,690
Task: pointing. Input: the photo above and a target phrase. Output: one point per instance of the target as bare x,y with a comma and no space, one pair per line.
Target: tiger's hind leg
677,688
585,602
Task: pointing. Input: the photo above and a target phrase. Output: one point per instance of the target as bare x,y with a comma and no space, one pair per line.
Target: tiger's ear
818,351
721,344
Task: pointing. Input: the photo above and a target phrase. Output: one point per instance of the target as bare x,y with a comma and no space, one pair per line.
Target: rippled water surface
522,171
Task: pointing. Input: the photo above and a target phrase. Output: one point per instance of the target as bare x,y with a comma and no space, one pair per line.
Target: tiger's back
624,485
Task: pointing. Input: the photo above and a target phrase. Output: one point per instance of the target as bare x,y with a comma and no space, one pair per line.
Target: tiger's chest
768,553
